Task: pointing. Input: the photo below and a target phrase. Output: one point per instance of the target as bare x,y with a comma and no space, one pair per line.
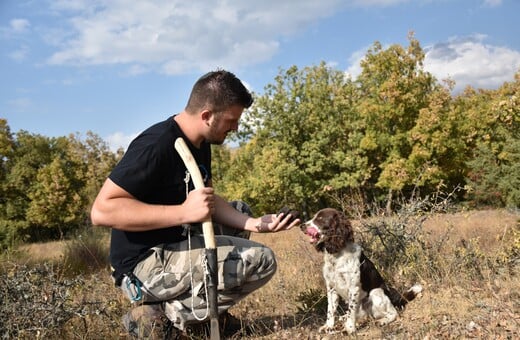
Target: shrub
35,300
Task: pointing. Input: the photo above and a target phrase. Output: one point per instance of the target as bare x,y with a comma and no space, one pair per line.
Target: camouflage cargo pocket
166,273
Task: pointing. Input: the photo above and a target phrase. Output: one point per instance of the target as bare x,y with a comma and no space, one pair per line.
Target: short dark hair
217,91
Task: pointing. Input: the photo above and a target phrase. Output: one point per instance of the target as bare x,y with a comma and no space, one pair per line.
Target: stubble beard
213,134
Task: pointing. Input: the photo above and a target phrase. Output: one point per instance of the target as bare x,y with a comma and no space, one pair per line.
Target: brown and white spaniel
349,274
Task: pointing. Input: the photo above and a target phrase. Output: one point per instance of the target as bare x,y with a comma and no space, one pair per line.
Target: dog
349,274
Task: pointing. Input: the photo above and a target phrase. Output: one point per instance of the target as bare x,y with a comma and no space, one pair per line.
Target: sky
115,67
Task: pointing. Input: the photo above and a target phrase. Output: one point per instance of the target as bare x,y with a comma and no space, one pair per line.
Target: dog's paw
327,329
384,321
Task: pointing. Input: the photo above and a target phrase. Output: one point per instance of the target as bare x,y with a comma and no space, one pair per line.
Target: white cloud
180,36
19,25
469,61
466,60
136,70
20,54
492,3
15,28
21,104
354,61
119,140
380,3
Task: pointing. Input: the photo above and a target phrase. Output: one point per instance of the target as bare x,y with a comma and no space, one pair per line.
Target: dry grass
459,305
48,251
488,226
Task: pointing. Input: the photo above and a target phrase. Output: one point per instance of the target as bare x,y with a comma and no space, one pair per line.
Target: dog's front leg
349,318
332,306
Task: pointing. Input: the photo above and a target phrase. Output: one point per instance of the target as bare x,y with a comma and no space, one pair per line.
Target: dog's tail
400,300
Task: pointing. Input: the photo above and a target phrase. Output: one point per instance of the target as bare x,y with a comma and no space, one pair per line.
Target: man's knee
256,263
268,265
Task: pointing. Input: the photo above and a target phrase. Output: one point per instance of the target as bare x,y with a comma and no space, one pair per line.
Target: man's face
223,123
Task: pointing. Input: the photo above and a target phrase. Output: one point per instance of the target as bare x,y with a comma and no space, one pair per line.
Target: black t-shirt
152,171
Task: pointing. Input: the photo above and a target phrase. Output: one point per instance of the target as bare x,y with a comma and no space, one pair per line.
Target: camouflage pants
174,275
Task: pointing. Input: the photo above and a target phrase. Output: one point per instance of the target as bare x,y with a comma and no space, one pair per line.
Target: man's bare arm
115,207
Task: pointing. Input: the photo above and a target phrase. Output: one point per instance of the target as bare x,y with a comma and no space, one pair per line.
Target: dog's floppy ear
340,232
347,228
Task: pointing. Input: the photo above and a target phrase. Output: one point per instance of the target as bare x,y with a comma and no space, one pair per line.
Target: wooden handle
198,182
209,239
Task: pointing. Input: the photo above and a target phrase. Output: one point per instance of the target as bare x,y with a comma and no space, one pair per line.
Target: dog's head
329,230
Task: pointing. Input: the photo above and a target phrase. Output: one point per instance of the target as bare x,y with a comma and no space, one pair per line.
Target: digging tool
209,240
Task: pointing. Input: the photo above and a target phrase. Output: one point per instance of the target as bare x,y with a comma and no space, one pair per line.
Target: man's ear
206,115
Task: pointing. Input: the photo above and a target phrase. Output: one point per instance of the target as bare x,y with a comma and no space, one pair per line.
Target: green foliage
299,126
314,134
6,150
54,200
30,153
395,130
401,109
493,175
12,233
221,160
48,183
483,178
495,180
509,183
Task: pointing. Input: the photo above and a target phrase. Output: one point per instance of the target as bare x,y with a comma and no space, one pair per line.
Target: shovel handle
193,169
209,239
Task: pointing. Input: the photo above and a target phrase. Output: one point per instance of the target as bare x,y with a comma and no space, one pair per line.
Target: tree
438,154
298,134
54,202
395,130
6,151
30,153
221,160
49,183
494,176
393,88
93,161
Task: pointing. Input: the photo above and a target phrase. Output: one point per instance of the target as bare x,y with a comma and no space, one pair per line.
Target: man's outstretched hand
284,220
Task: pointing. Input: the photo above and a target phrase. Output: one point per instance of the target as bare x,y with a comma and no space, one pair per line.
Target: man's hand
274,223
200,204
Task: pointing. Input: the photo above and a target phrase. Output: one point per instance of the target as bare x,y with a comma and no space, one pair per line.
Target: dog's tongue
313,233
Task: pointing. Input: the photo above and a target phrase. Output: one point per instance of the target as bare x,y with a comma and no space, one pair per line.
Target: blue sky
114,67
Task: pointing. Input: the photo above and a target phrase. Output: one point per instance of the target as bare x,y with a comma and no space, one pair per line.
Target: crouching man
150,203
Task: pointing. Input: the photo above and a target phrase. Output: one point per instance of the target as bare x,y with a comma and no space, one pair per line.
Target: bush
35,300
12,232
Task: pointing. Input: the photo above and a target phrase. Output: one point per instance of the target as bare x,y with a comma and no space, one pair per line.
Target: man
149,202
